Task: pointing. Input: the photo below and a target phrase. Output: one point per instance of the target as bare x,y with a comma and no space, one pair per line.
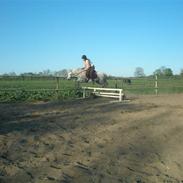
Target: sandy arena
93,141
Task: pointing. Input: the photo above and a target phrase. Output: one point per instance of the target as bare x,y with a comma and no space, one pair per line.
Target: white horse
80,74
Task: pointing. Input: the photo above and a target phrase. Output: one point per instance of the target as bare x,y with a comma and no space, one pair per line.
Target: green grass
37,89
19,89
34,84
147,85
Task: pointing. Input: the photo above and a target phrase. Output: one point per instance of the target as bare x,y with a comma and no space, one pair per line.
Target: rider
88,67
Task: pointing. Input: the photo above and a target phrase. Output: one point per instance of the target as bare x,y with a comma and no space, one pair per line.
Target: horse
80,74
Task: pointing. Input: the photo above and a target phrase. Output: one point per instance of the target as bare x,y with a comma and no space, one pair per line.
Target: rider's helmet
84,57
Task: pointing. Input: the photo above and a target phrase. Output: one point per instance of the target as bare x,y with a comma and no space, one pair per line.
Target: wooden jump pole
105,92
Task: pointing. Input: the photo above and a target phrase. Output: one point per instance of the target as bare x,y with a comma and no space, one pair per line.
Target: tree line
162,72
139,72
60,73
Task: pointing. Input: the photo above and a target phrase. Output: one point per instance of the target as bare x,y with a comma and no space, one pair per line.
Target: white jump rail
105,92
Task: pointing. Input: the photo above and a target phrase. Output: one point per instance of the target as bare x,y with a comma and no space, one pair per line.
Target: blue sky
117,35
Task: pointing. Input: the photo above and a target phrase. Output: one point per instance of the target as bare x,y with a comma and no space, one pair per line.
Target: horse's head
72,73
79,74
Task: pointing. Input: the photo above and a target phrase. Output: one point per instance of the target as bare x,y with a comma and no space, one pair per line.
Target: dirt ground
93,141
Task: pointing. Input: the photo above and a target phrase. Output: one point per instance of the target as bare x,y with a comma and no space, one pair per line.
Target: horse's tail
104,80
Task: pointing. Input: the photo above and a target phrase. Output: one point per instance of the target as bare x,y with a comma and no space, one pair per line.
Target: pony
80,74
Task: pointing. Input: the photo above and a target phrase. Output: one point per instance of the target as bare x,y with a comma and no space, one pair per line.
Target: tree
157,72
9,74
47,72
5,74
163,71
61,73
12,74
168,72
27,74
139,72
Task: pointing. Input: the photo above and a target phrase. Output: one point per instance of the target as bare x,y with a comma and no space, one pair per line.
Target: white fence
105,92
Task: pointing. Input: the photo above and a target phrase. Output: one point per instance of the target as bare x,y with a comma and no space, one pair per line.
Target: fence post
116,84
156,85
120,95
84,93
57,86
121,83
77,84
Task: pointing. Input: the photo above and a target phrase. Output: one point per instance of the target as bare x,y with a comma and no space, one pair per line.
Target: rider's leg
91,73
88,75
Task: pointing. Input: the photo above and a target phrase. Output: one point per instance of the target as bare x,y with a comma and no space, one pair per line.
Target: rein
78,73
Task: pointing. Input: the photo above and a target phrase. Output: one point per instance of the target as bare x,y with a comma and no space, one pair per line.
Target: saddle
91,73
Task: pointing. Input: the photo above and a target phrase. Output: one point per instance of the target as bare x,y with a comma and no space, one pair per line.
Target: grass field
147,85
28,89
